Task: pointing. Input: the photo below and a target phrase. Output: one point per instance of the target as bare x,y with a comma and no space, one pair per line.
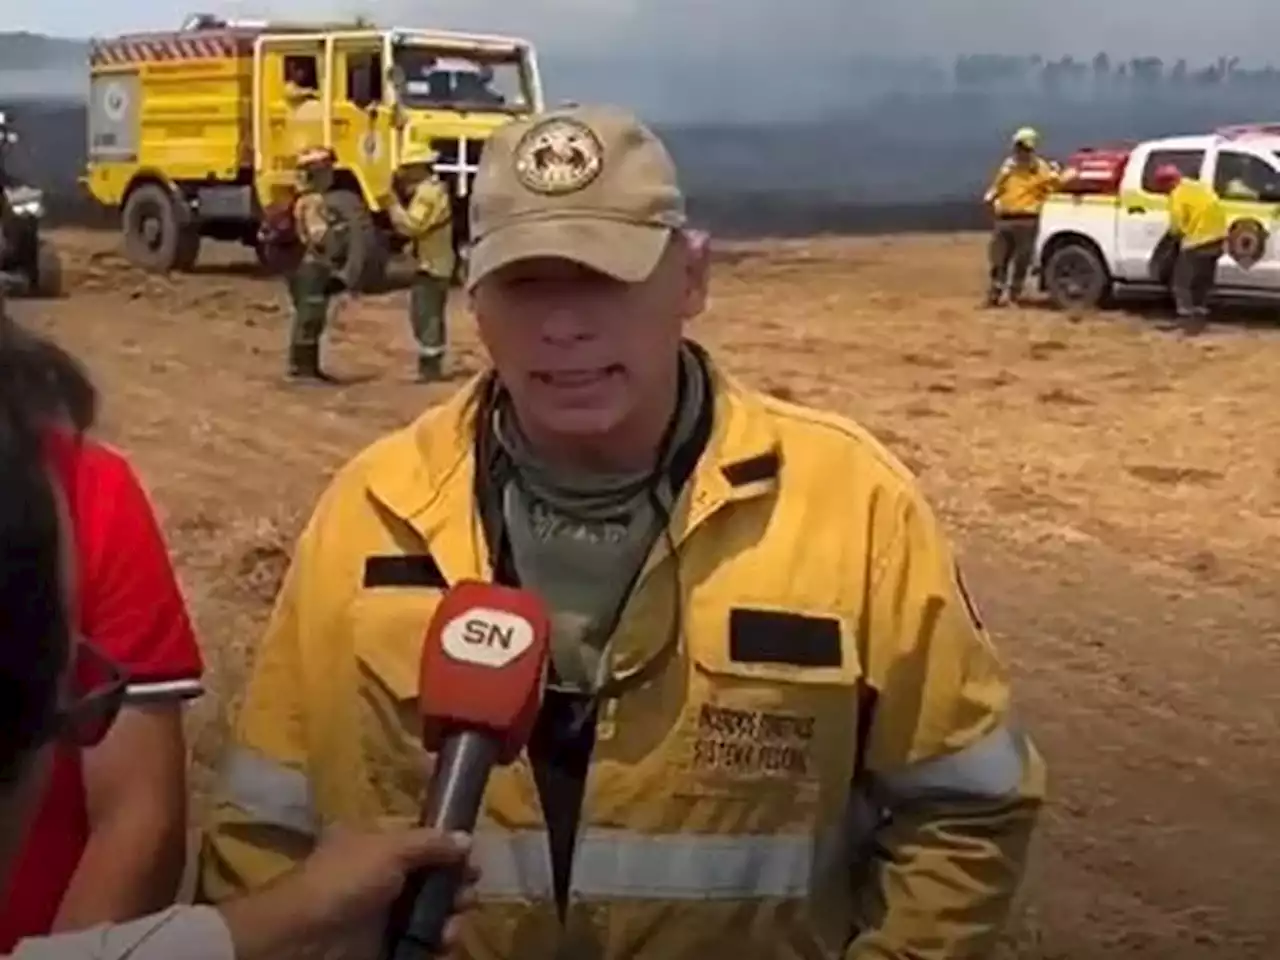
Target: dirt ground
1115,490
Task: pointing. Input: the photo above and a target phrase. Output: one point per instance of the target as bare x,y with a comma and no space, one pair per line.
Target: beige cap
590,184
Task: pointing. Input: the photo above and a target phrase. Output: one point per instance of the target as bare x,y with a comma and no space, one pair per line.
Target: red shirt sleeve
130,604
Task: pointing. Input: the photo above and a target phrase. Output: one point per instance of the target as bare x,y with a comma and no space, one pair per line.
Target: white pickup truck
1097,235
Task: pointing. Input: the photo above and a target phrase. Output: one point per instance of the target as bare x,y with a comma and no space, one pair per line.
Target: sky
1169,28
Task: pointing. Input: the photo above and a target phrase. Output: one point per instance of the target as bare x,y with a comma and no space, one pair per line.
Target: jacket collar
425,474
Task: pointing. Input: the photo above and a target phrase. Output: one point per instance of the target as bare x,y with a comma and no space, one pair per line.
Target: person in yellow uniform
312,282
775,726
1016,197
1198,220
427,221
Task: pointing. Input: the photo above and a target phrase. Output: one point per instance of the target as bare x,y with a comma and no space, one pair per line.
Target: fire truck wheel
364,256
47,282
1076,277
158,234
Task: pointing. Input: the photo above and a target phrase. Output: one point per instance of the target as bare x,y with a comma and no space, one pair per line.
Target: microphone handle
416,925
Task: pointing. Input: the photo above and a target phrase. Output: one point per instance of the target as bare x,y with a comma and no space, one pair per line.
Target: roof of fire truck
207,23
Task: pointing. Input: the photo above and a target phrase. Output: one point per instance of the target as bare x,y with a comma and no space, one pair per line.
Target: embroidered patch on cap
558,156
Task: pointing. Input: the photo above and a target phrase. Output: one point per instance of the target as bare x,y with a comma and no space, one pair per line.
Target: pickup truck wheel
1076,277
158,234
364,256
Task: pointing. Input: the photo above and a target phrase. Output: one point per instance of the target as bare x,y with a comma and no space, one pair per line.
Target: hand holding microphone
339,892
484,663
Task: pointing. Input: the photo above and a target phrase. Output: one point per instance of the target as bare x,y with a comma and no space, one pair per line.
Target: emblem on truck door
115,101
558,156
1246,241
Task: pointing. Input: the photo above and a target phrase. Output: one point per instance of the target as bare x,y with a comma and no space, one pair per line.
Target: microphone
484,664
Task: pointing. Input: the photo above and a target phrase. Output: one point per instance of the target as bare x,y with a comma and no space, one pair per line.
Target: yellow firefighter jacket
1019,190
808,751
1196,214
428,223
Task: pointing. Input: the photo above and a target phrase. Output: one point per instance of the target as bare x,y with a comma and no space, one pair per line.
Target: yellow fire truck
193,133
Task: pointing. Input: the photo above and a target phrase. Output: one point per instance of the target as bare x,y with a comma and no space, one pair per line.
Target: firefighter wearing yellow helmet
312,282
774,727
420,208
1016,196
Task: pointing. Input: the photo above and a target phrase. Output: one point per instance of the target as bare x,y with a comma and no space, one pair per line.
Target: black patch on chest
416,570
770,636
763,467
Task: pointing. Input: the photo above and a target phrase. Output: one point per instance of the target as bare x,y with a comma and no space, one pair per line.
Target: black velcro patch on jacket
763,467
416,570
768,636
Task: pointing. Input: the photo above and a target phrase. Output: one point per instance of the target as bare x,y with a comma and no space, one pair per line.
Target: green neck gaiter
579,540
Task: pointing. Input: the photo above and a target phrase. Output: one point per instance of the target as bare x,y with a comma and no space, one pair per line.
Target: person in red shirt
109,839
57,688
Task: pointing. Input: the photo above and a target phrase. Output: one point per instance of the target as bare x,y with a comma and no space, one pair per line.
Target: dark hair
41,387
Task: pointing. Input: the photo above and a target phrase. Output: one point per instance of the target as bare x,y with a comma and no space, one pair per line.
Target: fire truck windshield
446,80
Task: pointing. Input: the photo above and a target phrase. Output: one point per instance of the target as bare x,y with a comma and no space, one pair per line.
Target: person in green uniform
422,210
311,283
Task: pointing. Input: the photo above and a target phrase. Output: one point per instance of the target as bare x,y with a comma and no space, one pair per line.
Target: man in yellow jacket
1016,196
775,728
1198,220
427,222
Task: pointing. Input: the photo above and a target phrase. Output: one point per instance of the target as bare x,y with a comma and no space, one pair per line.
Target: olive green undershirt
579,539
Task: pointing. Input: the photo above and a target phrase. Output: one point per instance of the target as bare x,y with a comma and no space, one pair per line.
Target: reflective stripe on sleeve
268,792
163,691
611,865
989,769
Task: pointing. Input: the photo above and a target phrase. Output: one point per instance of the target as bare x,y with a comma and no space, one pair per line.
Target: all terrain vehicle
193,133
29,264
1098,236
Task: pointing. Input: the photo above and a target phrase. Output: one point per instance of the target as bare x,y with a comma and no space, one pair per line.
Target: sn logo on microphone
487,637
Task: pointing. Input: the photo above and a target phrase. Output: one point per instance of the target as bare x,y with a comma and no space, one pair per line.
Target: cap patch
558,156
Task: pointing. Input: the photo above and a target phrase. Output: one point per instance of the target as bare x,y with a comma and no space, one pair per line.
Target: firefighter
312,283
726,760
1198,222
1016,196
421,209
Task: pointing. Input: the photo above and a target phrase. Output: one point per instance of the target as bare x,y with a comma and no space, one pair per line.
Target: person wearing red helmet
1198,221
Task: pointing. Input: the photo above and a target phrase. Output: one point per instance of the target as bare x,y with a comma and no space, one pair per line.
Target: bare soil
1115,489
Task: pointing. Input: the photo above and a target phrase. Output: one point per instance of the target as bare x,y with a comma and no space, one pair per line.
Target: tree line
1002,72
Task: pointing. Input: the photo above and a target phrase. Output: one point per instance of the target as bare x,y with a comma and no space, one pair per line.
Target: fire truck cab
1097,236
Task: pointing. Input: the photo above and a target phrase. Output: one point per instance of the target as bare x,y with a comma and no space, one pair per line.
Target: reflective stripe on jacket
729,809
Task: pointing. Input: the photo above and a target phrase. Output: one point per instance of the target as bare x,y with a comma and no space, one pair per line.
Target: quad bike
28,262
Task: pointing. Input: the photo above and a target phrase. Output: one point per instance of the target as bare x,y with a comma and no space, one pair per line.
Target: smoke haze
836,101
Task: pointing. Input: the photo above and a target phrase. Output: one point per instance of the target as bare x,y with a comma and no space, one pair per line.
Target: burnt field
1115,491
